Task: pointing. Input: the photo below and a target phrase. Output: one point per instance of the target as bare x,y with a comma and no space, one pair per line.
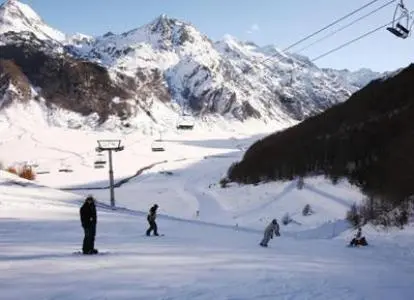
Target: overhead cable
353,41
346,26
330,25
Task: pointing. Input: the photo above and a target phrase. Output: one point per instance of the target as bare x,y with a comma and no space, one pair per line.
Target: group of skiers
89,219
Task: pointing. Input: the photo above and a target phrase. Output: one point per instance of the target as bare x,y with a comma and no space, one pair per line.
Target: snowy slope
210,255
19,17
359,78
183,180
197,161
194,260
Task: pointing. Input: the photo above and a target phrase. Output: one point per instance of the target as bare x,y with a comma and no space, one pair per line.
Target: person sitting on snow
273,227
358,240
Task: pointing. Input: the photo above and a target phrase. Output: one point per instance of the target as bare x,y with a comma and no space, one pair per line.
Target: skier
88,220
152,215
268,233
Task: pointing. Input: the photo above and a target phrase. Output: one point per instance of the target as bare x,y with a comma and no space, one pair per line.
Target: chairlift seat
99,166
185,126
185,123
100,162
42,172
401,16
397,33
157,149
157,146
402,28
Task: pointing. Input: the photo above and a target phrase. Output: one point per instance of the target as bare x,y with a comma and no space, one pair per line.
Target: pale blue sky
261,21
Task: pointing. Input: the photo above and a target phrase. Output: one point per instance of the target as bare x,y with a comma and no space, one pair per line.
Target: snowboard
366,246
99,253
154,235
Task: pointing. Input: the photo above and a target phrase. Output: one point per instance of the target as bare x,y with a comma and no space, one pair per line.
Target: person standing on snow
273,227
88,220
152,215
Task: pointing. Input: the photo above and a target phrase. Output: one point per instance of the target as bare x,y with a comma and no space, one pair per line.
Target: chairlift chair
185,123
100,161
401,22
157,146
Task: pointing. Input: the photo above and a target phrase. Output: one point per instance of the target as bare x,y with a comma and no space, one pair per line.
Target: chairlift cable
324,28
330,25
352,41
346,26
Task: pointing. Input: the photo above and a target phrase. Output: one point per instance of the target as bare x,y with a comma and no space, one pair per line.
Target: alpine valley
152,75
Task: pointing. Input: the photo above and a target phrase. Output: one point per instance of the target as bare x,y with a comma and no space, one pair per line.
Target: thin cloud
254,28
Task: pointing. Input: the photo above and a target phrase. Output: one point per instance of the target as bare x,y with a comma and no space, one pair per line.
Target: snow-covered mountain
18,17
359,78
167,62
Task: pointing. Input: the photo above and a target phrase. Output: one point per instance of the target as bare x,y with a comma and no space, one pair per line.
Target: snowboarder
88,220
152,215
358,240
273,227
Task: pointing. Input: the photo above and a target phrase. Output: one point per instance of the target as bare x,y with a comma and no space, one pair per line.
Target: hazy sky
262,21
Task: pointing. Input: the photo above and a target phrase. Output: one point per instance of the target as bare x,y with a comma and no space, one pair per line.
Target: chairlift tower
110,145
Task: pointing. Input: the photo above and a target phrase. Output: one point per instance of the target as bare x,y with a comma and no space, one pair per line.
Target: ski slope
212,255
194,260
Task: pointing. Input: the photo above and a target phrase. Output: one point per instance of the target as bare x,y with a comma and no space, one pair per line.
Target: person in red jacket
88,220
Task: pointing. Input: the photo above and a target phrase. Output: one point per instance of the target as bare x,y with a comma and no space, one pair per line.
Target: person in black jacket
358,240
151,220
88,219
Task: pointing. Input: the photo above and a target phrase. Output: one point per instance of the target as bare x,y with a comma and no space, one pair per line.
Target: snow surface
212,254
359,78
16,16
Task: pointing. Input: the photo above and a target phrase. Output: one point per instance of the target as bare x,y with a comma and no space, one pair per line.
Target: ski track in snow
290,187
327,195
117,184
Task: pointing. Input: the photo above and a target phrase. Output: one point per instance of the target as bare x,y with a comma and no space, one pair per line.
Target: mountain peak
163,16
164,23
14,9
17,17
